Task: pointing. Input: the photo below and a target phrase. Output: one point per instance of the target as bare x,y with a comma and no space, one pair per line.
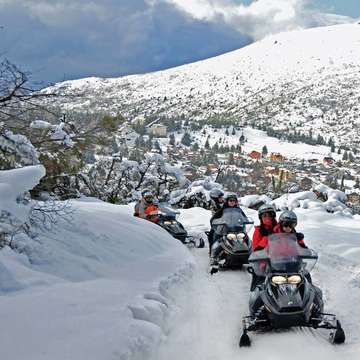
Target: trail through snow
207,324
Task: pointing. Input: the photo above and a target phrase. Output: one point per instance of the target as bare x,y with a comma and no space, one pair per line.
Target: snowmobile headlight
294,279
174,222
231,237
240,236
167,222
278,280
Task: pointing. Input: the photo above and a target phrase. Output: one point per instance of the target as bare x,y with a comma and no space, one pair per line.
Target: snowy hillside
306,79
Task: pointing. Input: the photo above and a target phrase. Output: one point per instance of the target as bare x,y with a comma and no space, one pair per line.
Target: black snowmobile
230,232
287,296
166,218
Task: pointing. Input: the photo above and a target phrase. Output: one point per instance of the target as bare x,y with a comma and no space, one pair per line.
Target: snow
19,145
208,322
306,78
252,200
94,288
13,184
58,132
110,286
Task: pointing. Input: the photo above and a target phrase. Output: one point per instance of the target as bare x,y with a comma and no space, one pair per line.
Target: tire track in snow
208,324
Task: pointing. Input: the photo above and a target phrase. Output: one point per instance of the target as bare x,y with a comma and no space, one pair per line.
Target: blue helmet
215,194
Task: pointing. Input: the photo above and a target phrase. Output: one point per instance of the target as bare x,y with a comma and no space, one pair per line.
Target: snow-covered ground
256,139
111,286
208,324
93,288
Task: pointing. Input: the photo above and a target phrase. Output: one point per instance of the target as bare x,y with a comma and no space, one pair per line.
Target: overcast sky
69,39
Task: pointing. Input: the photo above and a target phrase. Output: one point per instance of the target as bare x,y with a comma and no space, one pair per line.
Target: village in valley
224,154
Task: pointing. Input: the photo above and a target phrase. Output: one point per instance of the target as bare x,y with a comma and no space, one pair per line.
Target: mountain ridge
306,79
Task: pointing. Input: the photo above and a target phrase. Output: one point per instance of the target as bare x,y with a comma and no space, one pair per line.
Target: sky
58,40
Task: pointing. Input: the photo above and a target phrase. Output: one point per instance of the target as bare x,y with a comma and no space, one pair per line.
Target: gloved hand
303,245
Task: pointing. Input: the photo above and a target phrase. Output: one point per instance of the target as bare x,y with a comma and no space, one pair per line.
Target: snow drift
96,287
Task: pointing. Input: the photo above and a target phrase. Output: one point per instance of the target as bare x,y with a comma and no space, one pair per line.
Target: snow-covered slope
308,78
94,288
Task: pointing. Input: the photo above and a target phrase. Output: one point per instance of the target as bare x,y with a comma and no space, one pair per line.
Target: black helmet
230,196
288,217
215,194
267,208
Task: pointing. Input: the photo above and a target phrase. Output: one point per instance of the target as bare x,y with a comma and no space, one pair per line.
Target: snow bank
254,200
19,145
97,287
13,184
294,200
308,200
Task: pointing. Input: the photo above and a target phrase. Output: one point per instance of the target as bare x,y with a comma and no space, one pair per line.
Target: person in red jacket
146,208
267,216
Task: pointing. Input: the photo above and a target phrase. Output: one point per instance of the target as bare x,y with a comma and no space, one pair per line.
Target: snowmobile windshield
283,254
169,212
164,212
232,220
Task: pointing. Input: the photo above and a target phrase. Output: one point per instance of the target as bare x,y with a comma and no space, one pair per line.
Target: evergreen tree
242,139
357,183
233,131
172,139
157,147
186,139
345,156
231,159
227,132
342,186
207,145
264,151
351,157
195,147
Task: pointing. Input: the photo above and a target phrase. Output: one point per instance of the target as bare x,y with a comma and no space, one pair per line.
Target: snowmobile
166,218
230,231
286,297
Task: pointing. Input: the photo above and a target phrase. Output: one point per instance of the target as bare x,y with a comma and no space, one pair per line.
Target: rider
287,224
217,200
267,217
145,206
231,201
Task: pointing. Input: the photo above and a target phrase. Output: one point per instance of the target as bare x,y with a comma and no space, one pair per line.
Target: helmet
146,192
231,196
266,208
289,217
215,194
148,196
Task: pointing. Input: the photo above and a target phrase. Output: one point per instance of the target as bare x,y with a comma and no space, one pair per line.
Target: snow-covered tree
115,180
